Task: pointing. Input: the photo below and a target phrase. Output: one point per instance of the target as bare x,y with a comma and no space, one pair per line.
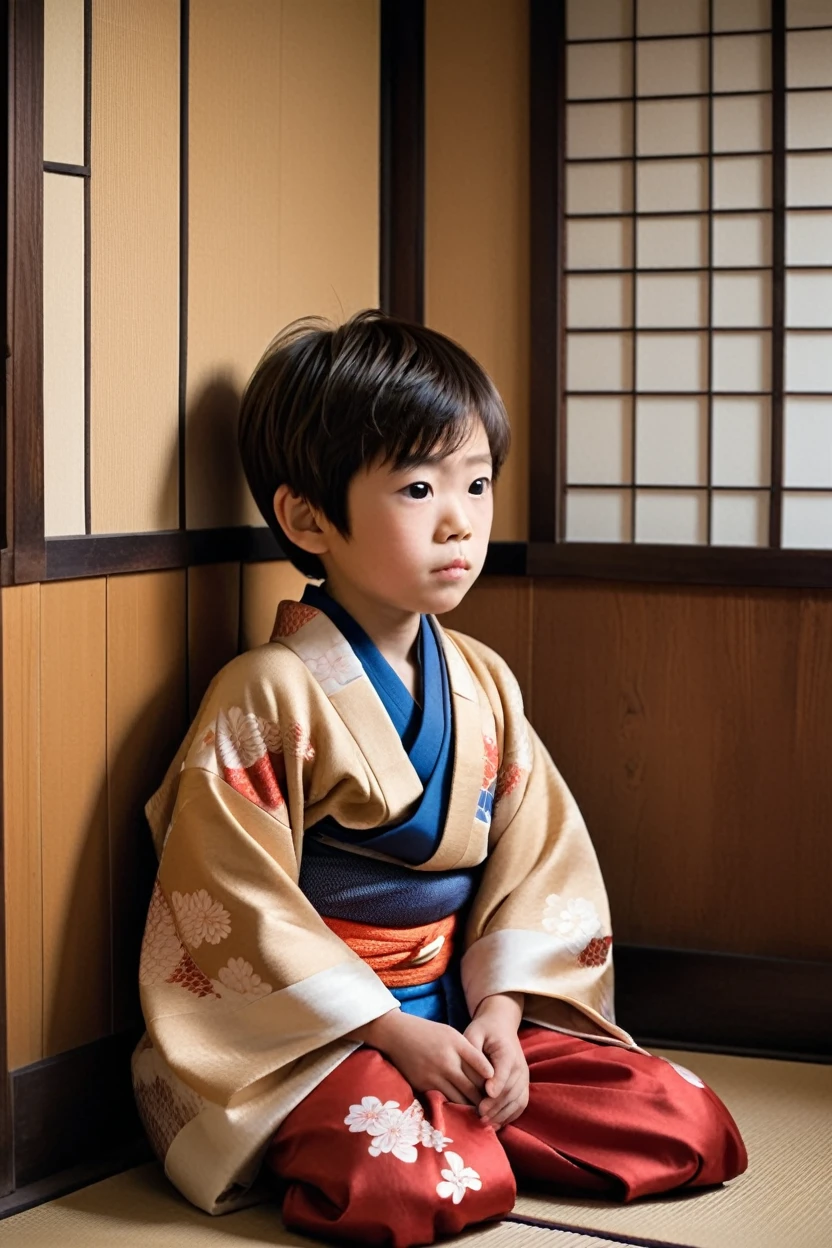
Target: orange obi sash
400,956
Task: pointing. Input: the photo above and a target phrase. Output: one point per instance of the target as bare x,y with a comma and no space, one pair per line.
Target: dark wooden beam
402,180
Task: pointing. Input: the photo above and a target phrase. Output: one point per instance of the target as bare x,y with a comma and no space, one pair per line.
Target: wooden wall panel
283,204
63,81
498,611
146,720
693,726
64,437
213,624
134,190
264,584
76,859
476,207
21,820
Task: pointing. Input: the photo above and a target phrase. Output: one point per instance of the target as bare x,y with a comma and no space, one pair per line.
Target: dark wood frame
402,171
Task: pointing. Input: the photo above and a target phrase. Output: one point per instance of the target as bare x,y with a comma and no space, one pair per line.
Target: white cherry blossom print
398,1134
200,918
574,921
432,1137
238,976
686,1074
457,1179
370,1113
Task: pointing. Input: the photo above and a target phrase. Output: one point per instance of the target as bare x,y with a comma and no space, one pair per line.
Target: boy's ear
299,521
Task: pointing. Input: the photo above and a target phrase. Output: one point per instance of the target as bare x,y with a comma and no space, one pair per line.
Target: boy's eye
418,489
479,486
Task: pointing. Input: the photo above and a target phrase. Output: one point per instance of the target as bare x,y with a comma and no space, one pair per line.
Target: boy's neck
395,632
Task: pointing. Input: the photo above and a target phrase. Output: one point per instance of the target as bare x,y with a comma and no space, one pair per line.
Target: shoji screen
668,278
807,500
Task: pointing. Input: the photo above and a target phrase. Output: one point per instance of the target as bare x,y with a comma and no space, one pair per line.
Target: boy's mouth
453,571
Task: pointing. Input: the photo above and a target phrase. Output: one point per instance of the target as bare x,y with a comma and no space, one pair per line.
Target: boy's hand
431,1056
494,1031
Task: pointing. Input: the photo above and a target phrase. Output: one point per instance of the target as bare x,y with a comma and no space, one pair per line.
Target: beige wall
476,207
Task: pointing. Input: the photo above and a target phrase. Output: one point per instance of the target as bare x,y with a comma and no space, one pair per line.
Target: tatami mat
785,1200
139,1209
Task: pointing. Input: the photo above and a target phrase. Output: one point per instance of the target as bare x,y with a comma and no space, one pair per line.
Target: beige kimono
248,996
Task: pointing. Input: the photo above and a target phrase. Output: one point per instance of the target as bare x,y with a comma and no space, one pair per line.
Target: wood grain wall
693,727
98,679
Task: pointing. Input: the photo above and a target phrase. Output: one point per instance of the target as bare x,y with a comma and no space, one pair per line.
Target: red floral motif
291,616
596,952
258,783
491,762
188,975
508,780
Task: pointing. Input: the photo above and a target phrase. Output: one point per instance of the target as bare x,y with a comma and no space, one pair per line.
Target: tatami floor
784,1110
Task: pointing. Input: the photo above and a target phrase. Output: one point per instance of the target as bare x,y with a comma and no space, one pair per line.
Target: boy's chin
445,597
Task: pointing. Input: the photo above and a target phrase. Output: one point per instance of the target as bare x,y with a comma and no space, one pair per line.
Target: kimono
329,849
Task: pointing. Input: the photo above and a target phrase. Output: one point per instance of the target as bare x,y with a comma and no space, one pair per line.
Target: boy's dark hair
325,402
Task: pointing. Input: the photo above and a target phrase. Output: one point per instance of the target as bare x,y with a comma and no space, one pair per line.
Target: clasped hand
484,1067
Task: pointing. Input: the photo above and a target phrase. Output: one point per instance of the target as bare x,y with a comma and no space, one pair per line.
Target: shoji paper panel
76,858
213,624
63,81
135,266
476,207
21,823
263,586
64,438
283,204
146,720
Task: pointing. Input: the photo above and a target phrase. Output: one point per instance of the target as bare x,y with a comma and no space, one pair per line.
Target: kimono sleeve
239,976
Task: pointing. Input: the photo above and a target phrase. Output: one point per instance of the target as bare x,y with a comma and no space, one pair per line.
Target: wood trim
729,566
68,558
778,266
26,288
6,1126
402,181
74,1108
732,567
184,231
87,261
724,1002
547,113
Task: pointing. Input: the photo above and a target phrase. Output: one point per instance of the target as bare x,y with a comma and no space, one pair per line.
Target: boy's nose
455,523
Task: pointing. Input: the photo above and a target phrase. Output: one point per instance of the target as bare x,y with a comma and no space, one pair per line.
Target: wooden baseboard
725,1002
75,1108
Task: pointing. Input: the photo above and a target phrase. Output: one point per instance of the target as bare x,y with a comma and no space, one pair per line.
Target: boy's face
418,536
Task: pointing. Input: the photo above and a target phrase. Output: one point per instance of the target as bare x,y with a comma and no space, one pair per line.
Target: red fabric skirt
363,1160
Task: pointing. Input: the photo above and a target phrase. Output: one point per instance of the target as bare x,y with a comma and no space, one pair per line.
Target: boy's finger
476,1059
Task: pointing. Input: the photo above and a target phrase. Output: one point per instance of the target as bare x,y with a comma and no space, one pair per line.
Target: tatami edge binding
630,1241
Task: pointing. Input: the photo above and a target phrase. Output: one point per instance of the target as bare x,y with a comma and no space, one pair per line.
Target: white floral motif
199,918
397,1134
457,1179
240,738
432,1137
161,947
574,921
686,1074
238,976
370,1113
271,735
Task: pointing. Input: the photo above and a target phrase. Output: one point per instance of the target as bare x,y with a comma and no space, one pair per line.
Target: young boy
377,962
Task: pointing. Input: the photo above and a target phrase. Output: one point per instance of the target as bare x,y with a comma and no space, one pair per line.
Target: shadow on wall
215,486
